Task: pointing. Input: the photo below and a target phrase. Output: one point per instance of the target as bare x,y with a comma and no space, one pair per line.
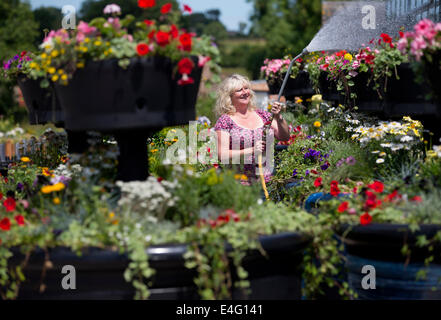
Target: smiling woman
240,127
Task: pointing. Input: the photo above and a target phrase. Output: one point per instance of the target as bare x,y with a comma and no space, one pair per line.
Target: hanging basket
42,104
146,95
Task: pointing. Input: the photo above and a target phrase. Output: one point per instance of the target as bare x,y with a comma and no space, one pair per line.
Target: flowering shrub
16,65
63,51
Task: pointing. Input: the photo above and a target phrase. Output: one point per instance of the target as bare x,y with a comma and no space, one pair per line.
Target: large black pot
295,87
43,106
432,70
99,272
379,245
328,89
146,95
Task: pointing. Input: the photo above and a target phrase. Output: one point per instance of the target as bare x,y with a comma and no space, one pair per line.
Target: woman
240,126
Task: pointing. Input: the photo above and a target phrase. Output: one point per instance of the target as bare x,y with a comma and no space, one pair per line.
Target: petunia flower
5,224
144,4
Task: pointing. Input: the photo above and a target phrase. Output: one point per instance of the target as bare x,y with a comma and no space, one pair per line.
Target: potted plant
127,84
274,71
216,242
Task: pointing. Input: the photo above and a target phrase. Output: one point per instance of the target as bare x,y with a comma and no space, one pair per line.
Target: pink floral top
246,138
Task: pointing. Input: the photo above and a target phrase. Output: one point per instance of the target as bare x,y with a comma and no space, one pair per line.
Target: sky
232,11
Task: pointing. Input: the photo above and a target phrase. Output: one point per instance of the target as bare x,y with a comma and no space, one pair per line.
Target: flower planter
295,87
432,71
379,245
105,97
328,89
99,272
42,104
368,100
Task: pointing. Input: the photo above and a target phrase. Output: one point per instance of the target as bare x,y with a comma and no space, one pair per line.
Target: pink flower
424,26
402,44
416,47
114,22
83,27
203,60
112,8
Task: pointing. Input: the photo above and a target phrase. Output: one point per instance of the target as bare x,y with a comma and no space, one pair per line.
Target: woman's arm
281,129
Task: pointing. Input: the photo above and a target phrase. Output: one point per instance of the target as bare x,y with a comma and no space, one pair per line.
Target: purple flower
324,166
326,156
339,163
16,57
27,58
351,160
6,66
19,66
294,173
20,186
306,173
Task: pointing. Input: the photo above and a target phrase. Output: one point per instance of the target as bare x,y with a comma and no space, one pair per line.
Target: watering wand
268,124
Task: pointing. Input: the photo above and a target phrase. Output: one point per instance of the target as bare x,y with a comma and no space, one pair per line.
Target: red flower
354,190
160,179
365,219
314,171
386,38
151,35
146,3
9,204
20,220
391,196
185,66
1,195
166,8
335,191
22,54
5,224
162,38
174,31
185,40
149,22
377,186
417,199
318,182
343,207
187,8
142,49
401,34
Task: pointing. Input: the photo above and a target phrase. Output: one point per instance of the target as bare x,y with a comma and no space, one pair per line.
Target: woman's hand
276,109
259,146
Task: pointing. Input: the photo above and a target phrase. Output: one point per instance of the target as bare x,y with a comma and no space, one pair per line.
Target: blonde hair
224,105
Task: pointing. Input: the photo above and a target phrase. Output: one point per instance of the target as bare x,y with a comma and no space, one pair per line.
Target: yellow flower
33,65
111,215
51,70
64,77
46,189
154,150
58,186
46,172
55,77
56,200
316,98
86,40
115,222
348,57
97,43
55,53
43,55
25,159
60,72
317,124
80,65
298,100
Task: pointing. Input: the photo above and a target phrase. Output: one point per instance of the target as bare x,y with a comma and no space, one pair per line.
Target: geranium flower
335,191
417,199
186,42
151,35
142,49
112,8
187,9
174,31
162,38
9,204
318,182
377,186
20,220
185,66
144,4
343,207
5,224
365,219
149,22
202,60
166,8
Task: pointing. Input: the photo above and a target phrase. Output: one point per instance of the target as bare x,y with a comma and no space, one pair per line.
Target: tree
242,28
216,29
213,14
287,25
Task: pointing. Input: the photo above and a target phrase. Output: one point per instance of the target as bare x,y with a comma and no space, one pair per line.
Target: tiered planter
379,245
99,272
129,103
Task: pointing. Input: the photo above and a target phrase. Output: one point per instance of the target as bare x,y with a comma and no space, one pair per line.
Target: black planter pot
368,99
432,70
328,90
43,106
295,87
379,245
105,97
99,272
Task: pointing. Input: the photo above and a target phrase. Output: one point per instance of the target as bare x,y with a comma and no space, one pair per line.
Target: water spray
268,125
